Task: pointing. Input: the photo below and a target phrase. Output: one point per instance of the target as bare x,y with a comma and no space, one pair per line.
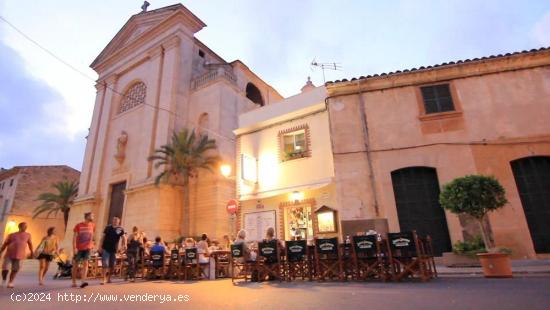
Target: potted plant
477,195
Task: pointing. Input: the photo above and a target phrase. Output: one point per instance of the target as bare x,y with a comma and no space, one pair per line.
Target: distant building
19,189
398,137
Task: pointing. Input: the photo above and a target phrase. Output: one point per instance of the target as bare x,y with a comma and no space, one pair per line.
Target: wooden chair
428,250
191,266
241,266
222,262
297,260
155,266
407,257
328,261
174,264
269,262
368,256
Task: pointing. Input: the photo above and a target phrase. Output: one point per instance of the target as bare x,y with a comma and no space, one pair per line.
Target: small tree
475,195
62,200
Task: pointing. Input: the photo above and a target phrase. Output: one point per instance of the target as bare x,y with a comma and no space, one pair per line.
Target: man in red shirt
15,243
82,244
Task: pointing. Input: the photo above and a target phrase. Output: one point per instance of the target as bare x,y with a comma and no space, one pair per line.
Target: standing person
112,234
15,243
49,247
82,244
135,245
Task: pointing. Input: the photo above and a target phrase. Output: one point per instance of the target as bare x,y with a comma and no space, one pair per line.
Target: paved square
443,293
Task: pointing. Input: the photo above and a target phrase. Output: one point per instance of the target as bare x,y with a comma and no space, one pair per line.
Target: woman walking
135,246
49,246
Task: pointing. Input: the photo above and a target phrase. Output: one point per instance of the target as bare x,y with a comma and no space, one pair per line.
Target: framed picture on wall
326,220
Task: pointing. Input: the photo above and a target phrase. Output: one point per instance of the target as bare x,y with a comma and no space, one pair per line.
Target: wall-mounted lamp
296,196
225,169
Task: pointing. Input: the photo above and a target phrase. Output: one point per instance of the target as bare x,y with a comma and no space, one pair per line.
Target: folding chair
156,264
407,258
297,260
174,264
241,266
269,262
428,250
191,267
328,261
368,258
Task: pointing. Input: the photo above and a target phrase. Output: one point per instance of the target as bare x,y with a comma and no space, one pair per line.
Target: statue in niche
121,147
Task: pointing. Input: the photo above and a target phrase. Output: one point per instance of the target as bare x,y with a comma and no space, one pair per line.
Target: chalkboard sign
256,224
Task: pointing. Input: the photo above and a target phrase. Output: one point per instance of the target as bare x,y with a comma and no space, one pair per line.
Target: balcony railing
205,79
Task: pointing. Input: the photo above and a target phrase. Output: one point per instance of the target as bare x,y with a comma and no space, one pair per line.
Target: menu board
256,224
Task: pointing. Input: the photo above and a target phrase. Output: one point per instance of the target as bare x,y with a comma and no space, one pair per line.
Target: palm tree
60,201
182,158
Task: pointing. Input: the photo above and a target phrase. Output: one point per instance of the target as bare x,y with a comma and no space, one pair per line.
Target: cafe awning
286,190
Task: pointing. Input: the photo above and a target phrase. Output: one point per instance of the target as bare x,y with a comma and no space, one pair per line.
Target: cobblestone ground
522,292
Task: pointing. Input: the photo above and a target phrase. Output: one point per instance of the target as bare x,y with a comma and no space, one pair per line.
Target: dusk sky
46,107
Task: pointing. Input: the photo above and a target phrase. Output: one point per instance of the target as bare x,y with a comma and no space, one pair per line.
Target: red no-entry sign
232,206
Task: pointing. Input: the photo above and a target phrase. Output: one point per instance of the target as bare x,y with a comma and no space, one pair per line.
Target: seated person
159,246
215,246
188,243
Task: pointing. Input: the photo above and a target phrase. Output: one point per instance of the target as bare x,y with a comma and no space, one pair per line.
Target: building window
295,143
11,182
201,53
133,97
254,94
437,98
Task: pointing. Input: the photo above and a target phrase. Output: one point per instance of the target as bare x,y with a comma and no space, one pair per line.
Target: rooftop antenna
326,65
144,6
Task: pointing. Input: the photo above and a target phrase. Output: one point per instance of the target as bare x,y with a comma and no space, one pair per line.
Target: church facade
155,78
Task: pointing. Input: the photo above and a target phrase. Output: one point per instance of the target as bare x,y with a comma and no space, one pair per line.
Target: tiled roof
439,65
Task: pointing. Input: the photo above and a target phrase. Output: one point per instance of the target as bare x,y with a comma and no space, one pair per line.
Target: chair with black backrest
368,258
241,267
156,264
191,266
328,261
296,260
173,264
269,262
407,257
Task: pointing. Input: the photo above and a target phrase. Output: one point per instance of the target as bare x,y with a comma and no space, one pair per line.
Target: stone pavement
528,291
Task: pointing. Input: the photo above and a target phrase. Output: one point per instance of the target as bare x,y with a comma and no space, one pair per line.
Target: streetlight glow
225,170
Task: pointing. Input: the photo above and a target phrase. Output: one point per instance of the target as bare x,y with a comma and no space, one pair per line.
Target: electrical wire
105,84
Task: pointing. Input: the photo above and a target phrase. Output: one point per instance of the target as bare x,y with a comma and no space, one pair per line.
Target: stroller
64,268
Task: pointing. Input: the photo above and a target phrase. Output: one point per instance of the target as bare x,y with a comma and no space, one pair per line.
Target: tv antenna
326,66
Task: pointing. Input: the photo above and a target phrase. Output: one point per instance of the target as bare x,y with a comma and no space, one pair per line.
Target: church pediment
140,24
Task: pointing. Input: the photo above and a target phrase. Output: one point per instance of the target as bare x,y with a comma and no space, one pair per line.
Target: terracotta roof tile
440,65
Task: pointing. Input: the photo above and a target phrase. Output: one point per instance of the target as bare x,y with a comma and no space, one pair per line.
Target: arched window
254,94
134,96
203,123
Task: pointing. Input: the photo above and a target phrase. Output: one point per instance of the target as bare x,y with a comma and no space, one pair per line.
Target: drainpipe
366,142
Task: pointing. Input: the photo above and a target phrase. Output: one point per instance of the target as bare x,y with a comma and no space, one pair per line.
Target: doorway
117,201
416,191
532,175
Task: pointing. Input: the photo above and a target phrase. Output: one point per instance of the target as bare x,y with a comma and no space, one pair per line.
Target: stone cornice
154,32
443,73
